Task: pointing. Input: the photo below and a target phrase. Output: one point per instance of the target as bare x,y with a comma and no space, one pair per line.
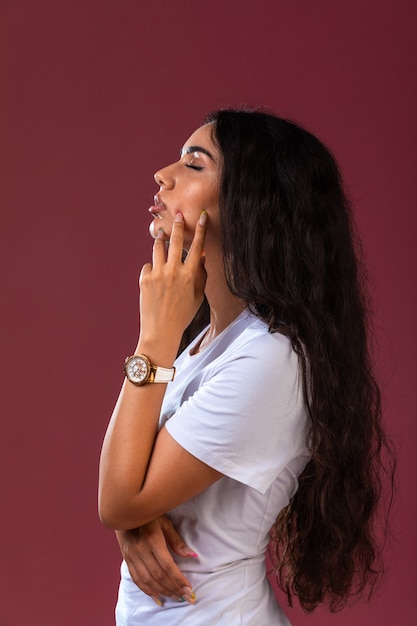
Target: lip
157,206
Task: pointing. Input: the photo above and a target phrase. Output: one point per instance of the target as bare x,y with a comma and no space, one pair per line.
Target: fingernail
179,217
189,594
160,234
203,218
157,600
189,552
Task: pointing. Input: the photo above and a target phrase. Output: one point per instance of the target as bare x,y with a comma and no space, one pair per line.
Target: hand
171,291
150,563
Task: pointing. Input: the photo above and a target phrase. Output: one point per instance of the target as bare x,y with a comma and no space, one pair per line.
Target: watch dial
137,370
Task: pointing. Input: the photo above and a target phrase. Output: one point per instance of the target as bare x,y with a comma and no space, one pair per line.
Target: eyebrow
191,149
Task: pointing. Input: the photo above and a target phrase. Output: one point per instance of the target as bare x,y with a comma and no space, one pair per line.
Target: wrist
162,354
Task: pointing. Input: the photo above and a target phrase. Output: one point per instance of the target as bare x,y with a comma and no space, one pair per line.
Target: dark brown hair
291,253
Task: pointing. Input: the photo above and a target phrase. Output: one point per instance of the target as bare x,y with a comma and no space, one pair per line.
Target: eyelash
194,167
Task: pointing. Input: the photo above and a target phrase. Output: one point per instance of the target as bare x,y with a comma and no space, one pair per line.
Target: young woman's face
190,185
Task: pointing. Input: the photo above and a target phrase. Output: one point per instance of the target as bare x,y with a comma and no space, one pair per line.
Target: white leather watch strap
163,374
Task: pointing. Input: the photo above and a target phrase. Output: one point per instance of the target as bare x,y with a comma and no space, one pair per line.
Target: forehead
202,137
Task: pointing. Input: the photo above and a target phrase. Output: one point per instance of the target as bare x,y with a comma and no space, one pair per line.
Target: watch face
137,369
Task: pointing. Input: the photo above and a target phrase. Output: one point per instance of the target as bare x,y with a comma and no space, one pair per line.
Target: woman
270,417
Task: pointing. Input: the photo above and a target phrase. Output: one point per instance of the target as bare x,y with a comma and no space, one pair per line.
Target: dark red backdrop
96,95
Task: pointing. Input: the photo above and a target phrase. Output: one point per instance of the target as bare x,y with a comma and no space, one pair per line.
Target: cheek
196,202
190,224
214,216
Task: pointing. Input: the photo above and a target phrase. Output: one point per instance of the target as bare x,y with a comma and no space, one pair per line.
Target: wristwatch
139,370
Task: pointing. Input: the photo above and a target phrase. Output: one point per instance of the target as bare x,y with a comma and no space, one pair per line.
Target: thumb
175,541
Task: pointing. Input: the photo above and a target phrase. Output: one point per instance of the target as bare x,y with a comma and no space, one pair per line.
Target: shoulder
252,341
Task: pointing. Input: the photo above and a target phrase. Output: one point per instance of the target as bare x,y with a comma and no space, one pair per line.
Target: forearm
170,294
129,440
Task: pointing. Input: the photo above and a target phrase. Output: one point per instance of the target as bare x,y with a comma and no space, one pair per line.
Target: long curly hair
291,252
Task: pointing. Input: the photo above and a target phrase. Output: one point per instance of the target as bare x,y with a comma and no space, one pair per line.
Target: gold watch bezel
145,362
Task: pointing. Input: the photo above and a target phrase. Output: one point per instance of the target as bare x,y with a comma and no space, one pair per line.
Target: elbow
110,506
108,516
116,517
109,520
109,511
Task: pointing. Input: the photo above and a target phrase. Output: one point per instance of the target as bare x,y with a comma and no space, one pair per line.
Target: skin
143,472
147,552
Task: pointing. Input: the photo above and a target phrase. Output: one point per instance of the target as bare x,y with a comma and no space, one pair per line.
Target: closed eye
193,167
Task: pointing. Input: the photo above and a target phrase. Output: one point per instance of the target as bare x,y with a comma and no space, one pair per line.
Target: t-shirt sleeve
247,419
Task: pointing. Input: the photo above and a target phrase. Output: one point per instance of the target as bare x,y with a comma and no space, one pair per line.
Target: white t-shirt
238,406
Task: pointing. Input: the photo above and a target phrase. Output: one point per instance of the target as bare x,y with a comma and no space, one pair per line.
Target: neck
224,306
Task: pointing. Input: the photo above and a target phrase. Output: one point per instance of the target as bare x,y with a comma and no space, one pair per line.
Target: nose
164,178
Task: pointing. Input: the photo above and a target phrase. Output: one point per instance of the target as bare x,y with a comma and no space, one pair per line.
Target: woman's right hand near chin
146,551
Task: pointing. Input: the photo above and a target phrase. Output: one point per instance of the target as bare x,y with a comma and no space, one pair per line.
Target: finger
144,271
176,241
164,578
200,281
197,245
156,572
143,578
150,562
140,561
176,542
169,575
159,249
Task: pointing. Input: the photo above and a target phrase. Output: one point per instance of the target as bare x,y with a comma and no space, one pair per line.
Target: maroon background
96,95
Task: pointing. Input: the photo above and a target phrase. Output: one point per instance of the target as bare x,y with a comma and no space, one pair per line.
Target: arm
143,473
